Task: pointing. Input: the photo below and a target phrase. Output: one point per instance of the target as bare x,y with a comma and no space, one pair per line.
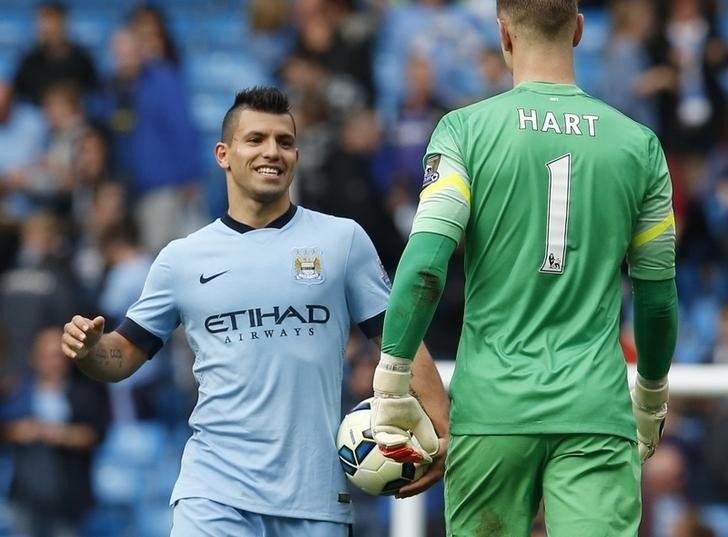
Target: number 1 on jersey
558,214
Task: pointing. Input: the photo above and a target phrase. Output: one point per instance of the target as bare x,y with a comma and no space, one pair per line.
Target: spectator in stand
496,76
146,107
91,168
54,419
127,265
23,132
418,113
716,440
629,80
352,155
53,57
150,25
690,43
714,201
38,291
664,482
271,31
720,351
48,182
331,33
690,525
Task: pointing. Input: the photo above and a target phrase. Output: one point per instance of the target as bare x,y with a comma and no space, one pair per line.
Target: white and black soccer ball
363,463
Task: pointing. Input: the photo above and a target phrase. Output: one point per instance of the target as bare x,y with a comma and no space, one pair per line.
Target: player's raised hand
649,406
81,334
400,426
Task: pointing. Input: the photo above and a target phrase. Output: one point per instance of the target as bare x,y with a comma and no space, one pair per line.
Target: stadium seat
723,23
139,444
588,70
226,30
93,28
153,520
209,107
6,529
128,452
597,26
16,24
114,483
223,71
9,58
716,516
107,521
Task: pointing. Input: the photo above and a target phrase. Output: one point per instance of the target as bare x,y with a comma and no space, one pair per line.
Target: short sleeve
651,254
156,309
367,281
444,206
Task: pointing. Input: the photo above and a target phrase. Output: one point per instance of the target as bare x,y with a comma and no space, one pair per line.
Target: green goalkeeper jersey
550,189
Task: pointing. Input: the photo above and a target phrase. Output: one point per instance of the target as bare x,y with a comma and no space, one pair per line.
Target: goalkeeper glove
649,406
400,425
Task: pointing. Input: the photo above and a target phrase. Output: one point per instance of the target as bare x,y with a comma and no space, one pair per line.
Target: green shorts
589,484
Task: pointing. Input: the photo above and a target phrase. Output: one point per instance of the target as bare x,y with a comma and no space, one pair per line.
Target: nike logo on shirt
204,280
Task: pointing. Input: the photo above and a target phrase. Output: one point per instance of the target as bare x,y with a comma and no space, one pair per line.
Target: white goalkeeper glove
399,424
649,406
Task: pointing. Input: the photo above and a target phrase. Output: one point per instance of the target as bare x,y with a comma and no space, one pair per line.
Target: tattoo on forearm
108,357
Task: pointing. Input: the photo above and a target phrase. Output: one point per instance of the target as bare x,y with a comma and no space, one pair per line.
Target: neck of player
553,63
257,214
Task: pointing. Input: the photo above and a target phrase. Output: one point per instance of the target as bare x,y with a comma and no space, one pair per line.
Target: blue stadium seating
223,71
16,24
716,517
93,28
128,452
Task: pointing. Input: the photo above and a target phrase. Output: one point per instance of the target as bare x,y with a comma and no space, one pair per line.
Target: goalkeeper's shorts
589,484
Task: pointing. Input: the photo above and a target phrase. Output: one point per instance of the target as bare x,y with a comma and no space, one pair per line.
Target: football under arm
112,359
655,326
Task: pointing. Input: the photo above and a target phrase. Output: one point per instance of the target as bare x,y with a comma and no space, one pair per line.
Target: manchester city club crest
307,265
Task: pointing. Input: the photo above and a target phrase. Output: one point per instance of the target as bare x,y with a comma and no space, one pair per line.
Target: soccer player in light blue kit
266,295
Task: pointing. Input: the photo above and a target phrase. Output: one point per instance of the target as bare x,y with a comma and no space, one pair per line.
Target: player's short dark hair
549,18
266,99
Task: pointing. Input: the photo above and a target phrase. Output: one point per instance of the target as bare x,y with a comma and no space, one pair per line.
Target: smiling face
259,160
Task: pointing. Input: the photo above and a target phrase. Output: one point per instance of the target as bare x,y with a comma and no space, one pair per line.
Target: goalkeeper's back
562,187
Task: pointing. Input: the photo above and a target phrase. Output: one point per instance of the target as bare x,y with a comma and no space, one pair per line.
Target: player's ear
221,155
505,36
579,31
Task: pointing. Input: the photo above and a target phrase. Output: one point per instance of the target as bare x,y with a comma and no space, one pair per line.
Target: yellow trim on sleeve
654,232
453,180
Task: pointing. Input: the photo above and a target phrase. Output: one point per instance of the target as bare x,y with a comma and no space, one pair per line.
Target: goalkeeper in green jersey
549,189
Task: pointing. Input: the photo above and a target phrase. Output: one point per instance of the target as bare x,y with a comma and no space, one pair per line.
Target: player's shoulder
200,236
462,113
329,222
473,113
626,124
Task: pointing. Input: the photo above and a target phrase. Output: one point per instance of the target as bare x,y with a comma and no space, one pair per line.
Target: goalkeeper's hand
649,406
399,424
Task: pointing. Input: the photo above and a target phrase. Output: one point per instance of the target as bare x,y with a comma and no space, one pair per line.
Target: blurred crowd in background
109,112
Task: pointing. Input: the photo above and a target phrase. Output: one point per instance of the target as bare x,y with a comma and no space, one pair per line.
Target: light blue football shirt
267,313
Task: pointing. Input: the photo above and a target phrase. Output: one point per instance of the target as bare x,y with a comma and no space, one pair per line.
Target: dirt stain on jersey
491,525
427,290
